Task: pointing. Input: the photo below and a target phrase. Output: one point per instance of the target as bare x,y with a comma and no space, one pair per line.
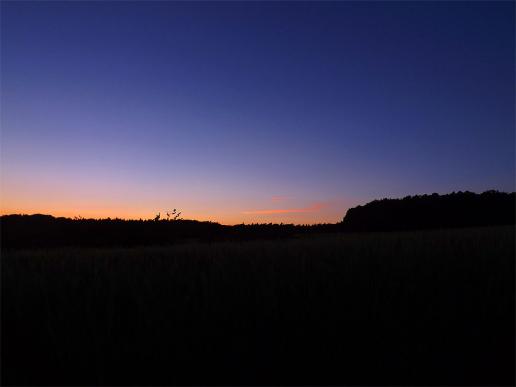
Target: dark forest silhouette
461,209
458,209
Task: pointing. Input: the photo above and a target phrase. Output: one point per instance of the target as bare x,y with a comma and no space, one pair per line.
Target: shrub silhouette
174,214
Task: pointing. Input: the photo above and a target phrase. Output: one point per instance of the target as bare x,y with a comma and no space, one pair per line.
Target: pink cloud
317,206
279,198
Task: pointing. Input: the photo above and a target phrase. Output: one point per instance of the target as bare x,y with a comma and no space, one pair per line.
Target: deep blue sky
262,111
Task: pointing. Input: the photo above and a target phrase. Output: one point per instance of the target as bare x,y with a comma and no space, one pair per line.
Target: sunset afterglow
238,112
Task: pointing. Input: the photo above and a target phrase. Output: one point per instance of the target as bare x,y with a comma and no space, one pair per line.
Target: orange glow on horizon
93,198
313,208
229,220
308,215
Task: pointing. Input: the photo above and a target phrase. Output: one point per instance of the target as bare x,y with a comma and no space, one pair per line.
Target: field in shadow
419,308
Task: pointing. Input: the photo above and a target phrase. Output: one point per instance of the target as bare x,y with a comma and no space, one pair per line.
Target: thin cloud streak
313,208
280,198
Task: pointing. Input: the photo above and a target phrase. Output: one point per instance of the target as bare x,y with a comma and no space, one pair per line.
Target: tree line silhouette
458,209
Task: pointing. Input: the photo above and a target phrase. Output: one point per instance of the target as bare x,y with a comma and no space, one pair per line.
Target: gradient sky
252,112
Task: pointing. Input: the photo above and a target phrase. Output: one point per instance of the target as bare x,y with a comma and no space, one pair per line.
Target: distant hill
458,209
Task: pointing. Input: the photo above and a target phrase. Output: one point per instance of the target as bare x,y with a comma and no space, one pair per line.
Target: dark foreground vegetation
418,308
178,302
37,231
461,209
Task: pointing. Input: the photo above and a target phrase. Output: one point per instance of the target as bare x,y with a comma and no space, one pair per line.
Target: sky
246,112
